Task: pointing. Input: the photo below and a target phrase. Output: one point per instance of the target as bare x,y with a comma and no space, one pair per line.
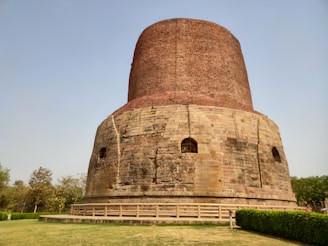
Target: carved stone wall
188,132
144,161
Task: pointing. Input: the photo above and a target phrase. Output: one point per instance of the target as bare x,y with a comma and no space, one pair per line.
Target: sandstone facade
189,132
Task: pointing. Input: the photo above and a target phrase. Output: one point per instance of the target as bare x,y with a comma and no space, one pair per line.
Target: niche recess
276,155
102,153
189,145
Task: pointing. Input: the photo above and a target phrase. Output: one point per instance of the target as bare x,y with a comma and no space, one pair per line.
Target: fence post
230,218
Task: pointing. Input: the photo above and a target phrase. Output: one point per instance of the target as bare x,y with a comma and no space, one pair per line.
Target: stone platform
155,213
66,218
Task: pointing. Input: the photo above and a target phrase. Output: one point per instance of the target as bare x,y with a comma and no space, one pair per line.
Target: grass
33,232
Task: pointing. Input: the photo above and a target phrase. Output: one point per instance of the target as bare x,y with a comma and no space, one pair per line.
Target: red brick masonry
186,61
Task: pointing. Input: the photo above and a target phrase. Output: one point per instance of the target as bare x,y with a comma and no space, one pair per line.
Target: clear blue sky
64,67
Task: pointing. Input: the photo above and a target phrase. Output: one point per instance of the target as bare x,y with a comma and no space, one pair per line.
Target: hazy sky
64,67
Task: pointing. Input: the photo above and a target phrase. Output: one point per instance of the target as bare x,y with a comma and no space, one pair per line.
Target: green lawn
33,232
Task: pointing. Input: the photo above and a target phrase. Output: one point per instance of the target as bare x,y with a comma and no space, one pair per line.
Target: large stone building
189,132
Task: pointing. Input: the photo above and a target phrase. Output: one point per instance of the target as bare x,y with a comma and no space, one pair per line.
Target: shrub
18,216
294,225
3,216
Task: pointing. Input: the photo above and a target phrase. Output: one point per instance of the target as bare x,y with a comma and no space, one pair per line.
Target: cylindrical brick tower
189,132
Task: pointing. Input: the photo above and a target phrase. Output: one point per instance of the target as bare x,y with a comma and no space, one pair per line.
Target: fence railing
195,211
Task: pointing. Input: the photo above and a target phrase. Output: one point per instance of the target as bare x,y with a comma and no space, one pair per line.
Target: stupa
189,132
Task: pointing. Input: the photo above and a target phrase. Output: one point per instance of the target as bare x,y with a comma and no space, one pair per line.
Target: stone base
235,157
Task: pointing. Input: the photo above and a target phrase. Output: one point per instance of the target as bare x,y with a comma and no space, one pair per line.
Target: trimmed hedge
302,226
19,216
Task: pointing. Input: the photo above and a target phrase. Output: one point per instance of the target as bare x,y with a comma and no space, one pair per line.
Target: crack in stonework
118,150
258,153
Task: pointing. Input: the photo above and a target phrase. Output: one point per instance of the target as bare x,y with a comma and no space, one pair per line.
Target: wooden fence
163,211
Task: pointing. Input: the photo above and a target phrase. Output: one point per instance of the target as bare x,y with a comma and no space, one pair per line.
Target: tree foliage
72,189
41,187
68,191
4,177
40,193
4,180
20,192
310,190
